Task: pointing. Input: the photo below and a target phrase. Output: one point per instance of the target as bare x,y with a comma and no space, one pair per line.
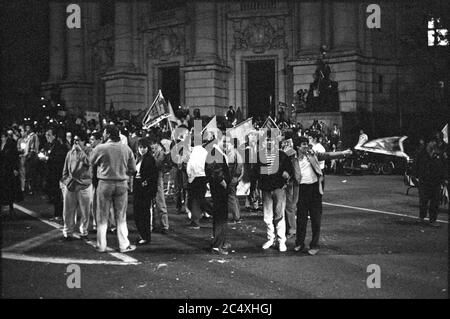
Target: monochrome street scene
224,150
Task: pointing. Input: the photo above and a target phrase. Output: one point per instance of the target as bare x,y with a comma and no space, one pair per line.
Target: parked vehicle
363,162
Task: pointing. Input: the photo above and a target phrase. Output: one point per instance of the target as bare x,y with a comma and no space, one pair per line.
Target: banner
241,130
157,112
92,116
445,132
387,145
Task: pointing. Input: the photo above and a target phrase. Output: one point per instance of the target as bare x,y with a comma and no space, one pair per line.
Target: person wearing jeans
197,184
160,200
76,189
275,169
308,176
114,163
145,187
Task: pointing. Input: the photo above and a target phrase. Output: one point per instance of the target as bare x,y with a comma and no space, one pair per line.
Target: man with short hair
308,176
275,169
77,190
114,163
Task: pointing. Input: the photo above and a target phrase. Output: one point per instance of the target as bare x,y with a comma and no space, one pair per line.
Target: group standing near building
90,173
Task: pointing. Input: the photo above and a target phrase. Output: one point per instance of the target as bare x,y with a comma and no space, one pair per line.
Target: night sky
24,54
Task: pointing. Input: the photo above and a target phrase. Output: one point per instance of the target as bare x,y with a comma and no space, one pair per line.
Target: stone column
123,38
310,26
205,31
57,29
345,29
75,59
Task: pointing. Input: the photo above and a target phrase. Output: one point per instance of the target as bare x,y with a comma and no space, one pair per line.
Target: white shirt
308,174
138,169
196,163
123,139
318,148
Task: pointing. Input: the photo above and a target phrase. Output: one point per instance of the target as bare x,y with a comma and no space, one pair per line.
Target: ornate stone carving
259,35
165,43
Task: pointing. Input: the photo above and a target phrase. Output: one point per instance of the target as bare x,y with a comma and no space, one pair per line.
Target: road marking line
54,260
123,257
33,242
36,215
378,211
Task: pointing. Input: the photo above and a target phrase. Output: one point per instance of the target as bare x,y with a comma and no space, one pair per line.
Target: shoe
226,246
128,249
219,251
313,251
268,244
164,231
238,221
142,242
206,215
282,247
299,248
434,224
106,250
193,226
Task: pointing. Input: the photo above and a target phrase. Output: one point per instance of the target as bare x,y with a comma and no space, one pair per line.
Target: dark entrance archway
170,84
261,88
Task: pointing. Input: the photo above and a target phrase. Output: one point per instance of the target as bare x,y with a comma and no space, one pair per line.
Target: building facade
254,55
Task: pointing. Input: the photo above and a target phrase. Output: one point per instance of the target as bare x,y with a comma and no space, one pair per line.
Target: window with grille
437,36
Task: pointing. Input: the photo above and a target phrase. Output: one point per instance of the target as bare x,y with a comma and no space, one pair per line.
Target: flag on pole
445,132
172,117
157,112
270,123
211,126
241,130
387,145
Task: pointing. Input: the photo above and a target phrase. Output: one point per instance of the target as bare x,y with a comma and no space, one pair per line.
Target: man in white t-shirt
314,140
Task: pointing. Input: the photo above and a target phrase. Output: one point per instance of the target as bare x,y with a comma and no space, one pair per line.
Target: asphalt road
377,224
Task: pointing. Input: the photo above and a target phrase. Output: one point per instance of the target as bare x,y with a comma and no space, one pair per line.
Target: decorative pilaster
57,29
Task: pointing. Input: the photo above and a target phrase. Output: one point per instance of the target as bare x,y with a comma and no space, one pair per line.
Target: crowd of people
87,169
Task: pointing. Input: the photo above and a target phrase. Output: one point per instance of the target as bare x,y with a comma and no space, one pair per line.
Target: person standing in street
275,169
145,188
308,176
10,190
218,176
77,189
114,163
431,170
236,169
55,154
161,216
